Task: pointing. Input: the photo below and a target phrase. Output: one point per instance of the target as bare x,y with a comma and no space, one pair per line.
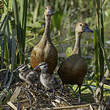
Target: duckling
27,75
74,68
46,79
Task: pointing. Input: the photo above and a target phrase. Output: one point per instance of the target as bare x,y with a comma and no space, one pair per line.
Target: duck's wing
52,80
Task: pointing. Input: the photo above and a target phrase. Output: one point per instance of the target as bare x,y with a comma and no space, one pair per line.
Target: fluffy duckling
46,79
27,75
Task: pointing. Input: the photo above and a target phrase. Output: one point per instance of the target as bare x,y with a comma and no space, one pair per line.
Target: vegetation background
22,25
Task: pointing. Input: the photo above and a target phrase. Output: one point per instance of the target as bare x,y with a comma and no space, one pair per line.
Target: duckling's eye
80,24
46,8
45,66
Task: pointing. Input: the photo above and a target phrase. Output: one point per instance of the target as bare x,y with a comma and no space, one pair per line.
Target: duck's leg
53,94
79,94
37,86
62,88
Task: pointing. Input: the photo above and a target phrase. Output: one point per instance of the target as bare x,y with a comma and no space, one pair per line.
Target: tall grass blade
96,51
13,56
100,36
36,10
20,21
2,53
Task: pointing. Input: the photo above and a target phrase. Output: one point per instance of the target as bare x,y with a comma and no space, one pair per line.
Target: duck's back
73,70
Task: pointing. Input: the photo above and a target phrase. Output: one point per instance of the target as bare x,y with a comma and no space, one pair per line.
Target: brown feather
73,70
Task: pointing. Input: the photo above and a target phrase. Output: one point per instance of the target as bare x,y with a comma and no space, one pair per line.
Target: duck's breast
73,69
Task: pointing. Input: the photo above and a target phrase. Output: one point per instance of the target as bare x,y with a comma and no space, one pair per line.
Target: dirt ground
39,99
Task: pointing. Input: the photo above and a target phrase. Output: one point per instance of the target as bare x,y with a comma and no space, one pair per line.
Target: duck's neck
46,35
43,72
77,49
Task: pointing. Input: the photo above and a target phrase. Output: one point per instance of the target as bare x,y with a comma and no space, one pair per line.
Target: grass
87,96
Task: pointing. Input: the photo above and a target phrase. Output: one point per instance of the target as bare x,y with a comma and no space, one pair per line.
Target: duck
74,68
45,51
29,76
46,79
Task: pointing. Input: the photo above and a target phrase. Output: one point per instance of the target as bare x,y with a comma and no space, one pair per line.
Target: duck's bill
37,67
87,29
50,12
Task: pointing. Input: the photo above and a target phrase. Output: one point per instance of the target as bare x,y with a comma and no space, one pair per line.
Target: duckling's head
48,11
82,27
43,66
22,68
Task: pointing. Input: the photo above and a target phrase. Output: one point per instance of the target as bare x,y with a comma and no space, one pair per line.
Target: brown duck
74,68
45,51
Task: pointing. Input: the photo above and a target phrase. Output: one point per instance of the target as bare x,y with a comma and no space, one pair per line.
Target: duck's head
43,66
82,27
22,68
48,11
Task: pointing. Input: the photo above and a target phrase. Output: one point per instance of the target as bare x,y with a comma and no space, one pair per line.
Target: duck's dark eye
80,24
46,8
45,66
